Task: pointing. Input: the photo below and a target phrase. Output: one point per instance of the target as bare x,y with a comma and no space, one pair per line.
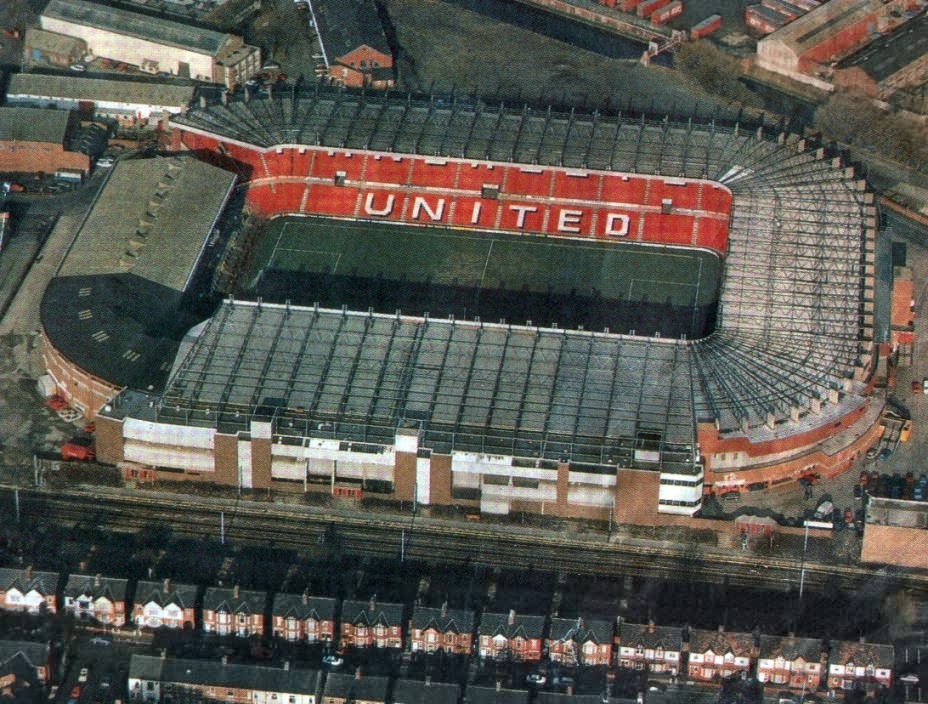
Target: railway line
431,540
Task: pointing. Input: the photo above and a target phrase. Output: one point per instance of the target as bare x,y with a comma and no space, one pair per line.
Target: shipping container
667,13
649,7
628,5
706,27
787,9
763,19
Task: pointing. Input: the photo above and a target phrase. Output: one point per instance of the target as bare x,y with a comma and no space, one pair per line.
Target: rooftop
234,600
511,625
345,25
220,674
884,57
164,593
356,687
43,85
125,22
95,586
304,606
372,612
826,20
33,125
418,692
114,307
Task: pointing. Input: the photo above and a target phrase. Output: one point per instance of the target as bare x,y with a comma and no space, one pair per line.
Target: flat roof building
160,45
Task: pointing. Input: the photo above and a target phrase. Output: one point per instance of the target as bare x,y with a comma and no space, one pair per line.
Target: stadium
507,415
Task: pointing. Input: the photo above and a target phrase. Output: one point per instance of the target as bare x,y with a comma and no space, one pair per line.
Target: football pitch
441,271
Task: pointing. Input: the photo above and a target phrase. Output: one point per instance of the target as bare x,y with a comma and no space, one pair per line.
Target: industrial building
805,48
352,43
153,44
119,304
898,61
129,102
39,141
498,417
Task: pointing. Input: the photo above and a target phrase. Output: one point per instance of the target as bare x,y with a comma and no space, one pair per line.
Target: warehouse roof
345,25
42,85
888,55
112,19
33,125
823,22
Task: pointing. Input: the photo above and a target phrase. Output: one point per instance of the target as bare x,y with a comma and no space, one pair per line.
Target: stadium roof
40,85
887,55
113,306
33,125
152,220
795,323
345,25
125,22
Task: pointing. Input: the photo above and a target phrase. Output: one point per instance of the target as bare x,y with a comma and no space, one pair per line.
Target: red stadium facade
479,195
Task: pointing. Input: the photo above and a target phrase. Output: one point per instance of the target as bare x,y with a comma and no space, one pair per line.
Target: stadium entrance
543,281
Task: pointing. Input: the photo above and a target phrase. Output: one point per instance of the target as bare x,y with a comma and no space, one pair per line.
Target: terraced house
164,604
28,590
96,598
367,624
649,646
449,630
719,654
580,641
233,611
860,666
511,636
797,663
299,617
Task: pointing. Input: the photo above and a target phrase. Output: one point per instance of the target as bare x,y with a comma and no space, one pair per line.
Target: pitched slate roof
491,695
361,612
345,25
443,620
492,624
879,655
226,599
96,586
26,580
366,688
418,692
790,648
34,654
651,636
181,594
581,630
218,674
34,125
304,607
721,642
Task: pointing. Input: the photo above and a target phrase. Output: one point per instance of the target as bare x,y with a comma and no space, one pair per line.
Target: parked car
925,385
884,454
536,679
82,677
858,492
873,452
78,67
106,162
848,516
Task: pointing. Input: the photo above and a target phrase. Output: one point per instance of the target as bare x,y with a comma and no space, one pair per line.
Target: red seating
337,201
576,186
433,173
384,168
528,181
473,176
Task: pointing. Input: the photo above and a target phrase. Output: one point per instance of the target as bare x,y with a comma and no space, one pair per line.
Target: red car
76,692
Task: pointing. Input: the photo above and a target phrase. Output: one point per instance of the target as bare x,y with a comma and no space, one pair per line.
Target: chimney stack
428,680
286,665
372,604
164,653
96,581
305,597
167,586
28,572
651,625
444,608
512,617
721,628
357,673
236,592
499,685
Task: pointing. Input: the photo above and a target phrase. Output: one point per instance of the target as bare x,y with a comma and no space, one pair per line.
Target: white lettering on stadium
568,221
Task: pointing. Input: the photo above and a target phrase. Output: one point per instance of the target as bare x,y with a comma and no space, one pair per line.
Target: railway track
429,540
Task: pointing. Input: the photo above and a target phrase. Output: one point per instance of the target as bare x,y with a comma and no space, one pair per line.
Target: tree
714,70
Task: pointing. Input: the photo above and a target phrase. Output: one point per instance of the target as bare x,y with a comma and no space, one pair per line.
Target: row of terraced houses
788,661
